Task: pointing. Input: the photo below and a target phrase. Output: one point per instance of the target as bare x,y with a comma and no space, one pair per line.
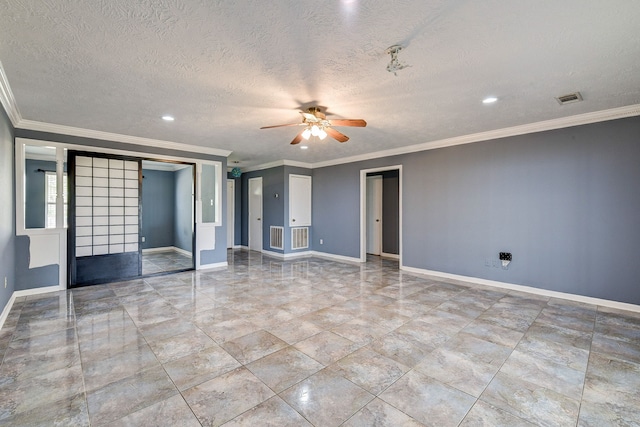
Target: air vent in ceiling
569,98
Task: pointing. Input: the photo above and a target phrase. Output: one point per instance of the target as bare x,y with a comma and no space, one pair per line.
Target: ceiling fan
316,124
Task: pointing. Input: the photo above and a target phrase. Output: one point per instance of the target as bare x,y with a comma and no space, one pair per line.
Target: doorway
381,212
255,214
167,218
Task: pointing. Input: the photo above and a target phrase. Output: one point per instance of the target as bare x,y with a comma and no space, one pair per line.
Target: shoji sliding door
104,218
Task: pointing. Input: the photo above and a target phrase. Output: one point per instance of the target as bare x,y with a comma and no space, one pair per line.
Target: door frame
194,207
363,209
374,183
231,212
256,179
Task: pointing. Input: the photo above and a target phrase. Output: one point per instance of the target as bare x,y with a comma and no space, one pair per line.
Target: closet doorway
167,217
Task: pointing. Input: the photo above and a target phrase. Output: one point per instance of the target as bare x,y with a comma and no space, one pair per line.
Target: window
51,192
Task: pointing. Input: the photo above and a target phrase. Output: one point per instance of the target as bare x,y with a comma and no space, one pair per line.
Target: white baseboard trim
7,309
527,289
166,249
182,251
292,255
36,291
336,257
25,293
224,264
392,256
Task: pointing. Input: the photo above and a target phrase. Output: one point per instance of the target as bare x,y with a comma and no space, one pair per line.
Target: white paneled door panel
106,200
299,200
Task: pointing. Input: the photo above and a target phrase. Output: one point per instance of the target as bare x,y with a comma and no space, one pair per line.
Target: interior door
230,213
299,200
255,214
104,218
374,214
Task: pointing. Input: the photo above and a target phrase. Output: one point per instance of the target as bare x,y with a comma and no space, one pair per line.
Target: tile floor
161,262
315,342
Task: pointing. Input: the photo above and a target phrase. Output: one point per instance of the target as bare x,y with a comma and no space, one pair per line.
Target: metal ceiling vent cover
569,98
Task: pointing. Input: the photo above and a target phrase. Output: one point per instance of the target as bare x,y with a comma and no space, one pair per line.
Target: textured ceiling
226,68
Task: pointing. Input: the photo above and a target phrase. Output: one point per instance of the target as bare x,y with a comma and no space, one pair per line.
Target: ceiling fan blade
348,122
297,139
338,136
280,126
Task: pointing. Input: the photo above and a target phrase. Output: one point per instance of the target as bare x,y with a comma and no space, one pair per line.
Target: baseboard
527,289
336,257
24,293
215,265
292,255
392,256
166,249
7,309
182,251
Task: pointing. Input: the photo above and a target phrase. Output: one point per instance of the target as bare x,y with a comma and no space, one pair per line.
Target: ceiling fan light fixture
315,130
322,134
306,133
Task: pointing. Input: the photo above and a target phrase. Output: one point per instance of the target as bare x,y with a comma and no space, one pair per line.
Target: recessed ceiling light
303,147
168,118
489,100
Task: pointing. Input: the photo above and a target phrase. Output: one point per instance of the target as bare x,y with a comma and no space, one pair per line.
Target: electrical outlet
143,239
505,256
321,242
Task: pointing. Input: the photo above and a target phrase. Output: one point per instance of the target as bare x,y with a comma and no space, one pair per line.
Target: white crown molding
563,122
522,288
276,164
127,139
7,99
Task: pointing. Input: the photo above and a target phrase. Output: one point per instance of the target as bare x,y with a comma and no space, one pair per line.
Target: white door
231,198
374,214
255,214
299,200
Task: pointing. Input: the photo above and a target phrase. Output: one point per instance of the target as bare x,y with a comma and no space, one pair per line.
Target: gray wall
158,208
336,208
183,229
390,212
564,202
7,210
31,278
272,208
275,211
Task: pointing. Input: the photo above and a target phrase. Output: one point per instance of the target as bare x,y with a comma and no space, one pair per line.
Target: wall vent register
276,237
300,238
